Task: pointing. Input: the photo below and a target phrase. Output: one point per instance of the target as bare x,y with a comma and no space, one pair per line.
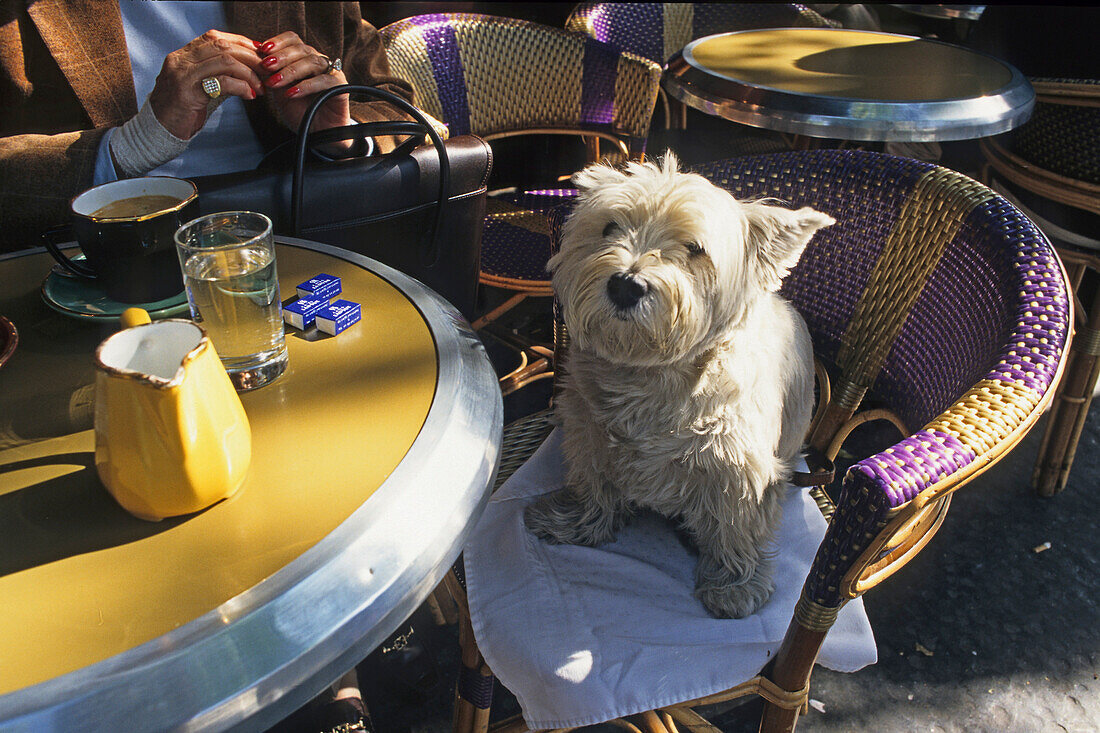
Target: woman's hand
296,72
178,100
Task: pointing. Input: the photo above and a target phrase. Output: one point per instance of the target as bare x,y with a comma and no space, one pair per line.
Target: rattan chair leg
442,606
474,689
525,375
1070,406
679,114
793,663
666,108
497,312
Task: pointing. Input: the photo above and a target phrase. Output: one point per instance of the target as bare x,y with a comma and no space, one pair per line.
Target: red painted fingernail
267,46
257,44
293,91
270,61
252,93
274,79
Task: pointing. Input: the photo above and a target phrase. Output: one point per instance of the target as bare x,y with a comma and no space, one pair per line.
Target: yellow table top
80,579
851,64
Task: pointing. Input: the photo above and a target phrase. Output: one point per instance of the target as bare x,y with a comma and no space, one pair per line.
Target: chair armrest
892,502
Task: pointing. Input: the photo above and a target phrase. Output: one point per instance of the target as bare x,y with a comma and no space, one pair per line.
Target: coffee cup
126,230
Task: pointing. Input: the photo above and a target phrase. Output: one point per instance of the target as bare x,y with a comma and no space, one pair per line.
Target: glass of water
228,263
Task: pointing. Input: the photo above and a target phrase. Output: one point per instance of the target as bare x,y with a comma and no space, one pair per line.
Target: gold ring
333,65
212,87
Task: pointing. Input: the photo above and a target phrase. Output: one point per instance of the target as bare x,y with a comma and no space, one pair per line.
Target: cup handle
64,233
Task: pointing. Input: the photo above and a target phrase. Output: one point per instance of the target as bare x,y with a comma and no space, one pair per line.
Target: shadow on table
898,72
65,516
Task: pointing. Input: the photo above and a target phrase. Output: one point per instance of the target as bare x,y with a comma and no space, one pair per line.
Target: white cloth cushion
582,635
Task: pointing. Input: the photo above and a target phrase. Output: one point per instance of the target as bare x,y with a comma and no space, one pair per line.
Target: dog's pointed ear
777,236
596,175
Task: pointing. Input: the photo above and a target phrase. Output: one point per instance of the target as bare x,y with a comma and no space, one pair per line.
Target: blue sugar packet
321,286
301,312
338,316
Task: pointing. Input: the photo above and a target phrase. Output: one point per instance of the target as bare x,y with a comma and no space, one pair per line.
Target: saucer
83,299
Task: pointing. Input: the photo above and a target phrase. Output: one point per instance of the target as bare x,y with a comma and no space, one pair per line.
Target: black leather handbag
418,209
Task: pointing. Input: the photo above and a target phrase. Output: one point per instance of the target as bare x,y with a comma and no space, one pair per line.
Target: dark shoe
405,662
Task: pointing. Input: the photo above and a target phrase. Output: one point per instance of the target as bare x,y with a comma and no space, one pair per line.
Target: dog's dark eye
694,248
610,228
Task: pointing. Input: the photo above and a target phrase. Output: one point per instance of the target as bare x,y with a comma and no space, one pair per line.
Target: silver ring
212,87
333,64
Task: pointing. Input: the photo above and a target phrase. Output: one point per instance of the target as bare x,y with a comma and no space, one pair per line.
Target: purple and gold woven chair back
491,76
658,30
936,295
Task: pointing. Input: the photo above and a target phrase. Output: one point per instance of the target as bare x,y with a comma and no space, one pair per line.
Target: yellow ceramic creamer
171,436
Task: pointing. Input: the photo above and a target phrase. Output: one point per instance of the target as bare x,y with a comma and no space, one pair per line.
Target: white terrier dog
689,380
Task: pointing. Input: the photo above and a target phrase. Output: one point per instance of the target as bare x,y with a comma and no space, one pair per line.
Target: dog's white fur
694,401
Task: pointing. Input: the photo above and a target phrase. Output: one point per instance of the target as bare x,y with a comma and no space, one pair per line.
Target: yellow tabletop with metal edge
82,581
855,85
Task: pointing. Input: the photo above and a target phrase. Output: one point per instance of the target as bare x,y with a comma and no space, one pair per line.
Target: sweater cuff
143,144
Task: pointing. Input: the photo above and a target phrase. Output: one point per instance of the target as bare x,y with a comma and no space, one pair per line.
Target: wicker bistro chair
1050,167
500,78
658,30
932,302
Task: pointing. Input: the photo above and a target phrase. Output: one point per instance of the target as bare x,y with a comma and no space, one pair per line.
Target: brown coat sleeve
64,81
39,176
366,63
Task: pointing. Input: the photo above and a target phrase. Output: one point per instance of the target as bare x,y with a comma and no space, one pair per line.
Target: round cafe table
373,455
850,85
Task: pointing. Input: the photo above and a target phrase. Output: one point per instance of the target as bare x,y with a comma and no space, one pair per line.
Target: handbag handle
429,250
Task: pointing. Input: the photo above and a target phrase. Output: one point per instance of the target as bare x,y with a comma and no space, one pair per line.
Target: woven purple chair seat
515,243
935,294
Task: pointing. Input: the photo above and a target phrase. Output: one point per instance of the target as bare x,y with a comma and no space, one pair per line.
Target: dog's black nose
625,290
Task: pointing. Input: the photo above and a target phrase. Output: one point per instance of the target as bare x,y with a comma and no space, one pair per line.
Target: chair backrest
928,283
495,77
658,30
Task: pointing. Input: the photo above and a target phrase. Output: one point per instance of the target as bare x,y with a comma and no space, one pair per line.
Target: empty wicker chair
933,304
501,77
1050,167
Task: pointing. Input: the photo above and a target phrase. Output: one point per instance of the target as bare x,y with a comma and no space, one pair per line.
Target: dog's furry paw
726,595
560,519
735,601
